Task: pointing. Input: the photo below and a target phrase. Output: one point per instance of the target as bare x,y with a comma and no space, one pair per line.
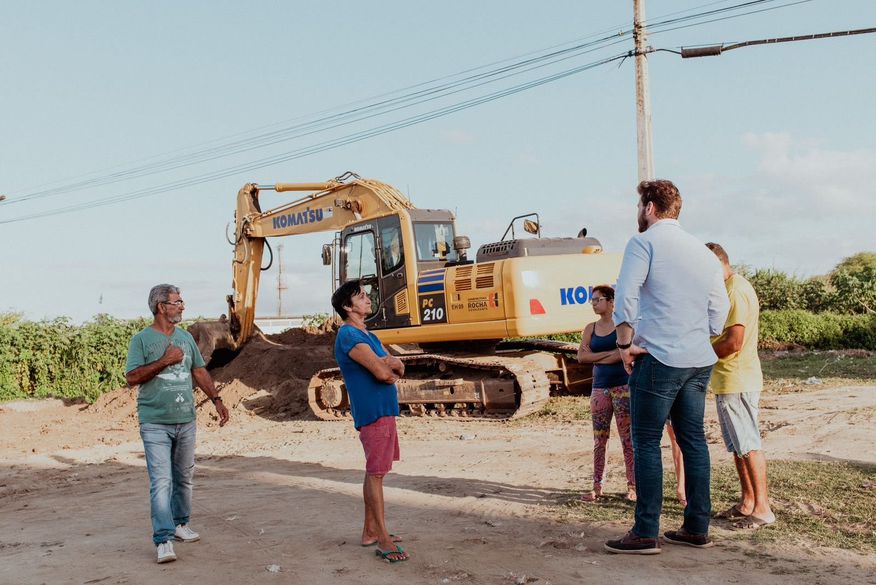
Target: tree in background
776,290
850,288
854,284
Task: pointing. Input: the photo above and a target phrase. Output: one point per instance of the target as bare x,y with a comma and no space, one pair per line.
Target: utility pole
281,282
643,97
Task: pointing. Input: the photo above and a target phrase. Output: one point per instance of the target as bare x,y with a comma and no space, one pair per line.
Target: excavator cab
389,252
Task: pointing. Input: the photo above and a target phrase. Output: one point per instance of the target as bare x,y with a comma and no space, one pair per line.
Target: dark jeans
658,392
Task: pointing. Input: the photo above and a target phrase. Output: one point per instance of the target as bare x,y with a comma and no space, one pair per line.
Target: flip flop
384,554
752,523
392,536
731,513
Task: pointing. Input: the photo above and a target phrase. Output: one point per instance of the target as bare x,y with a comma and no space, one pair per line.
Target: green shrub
776,290
818,330
816,295
57,358
855,291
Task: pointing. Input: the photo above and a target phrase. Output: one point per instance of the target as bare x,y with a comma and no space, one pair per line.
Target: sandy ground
278,498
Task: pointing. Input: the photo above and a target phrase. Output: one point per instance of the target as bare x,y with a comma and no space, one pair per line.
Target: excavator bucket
211,336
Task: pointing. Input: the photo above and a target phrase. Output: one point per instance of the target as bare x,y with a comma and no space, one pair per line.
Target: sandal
589,497
732,513
385,554
752,523
392,536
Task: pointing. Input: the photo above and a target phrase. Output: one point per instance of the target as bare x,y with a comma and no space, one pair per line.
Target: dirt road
278,500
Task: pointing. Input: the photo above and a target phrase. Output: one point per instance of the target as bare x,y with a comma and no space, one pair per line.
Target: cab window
391,248
361,263
435,242
359,249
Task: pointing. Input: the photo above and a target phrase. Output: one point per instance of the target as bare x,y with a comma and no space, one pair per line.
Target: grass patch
560,409
827,504
787,372
817,503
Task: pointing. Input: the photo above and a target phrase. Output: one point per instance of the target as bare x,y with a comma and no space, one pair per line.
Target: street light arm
715,50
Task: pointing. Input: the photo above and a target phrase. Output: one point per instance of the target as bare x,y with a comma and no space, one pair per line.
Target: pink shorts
380,441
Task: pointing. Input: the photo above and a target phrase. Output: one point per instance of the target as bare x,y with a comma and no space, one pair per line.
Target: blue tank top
607,375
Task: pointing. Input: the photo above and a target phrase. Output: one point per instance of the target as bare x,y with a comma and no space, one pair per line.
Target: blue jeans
658,392
170,461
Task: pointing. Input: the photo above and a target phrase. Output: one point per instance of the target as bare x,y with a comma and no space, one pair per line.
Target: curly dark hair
664,195
605,289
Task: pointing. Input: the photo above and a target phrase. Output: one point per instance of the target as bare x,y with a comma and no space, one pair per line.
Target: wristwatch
213,399
623,345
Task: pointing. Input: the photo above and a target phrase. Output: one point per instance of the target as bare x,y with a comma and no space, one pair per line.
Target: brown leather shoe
633,544
682,536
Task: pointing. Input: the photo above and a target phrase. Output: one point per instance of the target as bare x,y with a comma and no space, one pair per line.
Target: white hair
159,294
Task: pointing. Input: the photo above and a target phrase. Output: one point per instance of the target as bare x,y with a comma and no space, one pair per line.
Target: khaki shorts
737,414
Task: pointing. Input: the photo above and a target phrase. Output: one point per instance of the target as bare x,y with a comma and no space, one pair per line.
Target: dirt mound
120,404
322,335
268,378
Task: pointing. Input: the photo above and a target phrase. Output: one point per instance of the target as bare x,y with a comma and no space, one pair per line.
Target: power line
317,148
329,122
353,103
737,15
370,110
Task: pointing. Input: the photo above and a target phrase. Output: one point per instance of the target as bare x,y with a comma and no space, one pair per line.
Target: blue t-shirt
370,399
607,375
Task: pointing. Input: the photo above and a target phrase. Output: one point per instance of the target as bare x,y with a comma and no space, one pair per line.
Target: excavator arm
331,206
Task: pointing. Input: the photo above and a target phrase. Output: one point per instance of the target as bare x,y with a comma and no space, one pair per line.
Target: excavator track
447,385
563,347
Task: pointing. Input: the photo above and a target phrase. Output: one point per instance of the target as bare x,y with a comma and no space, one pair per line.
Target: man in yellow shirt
737,381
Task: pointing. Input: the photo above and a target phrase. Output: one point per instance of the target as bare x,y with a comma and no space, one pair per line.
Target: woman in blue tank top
610,393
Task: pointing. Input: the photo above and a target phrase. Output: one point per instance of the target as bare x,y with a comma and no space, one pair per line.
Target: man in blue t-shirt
370,374
163,360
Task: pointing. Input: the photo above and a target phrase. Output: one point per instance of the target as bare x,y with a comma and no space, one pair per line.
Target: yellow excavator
462,315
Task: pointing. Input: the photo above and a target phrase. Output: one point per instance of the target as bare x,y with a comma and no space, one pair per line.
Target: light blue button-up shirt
671,290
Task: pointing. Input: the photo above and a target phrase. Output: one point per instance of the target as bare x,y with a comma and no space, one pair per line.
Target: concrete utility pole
643,97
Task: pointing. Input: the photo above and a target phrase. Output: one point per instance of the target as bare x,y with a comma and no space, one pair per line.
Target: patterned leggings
604,401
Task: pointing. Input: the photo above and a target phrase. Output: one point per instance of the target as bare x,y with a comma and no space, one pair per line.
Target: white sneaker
186,534
165,552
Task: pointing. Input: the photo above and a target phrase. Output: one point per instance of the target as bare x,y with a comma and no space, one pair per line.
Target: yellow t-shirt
740,372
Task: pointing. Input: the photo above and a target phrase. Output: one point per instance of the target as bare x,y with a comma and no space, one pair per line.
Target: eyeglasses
595,300
174,303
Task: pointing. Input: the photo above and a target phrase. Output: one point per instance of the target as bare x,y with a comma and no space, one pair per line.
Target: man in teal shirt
163,360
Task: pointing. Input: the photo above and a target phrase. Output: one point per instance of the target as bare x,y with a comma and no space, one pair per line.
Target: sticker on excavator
430,297
432,308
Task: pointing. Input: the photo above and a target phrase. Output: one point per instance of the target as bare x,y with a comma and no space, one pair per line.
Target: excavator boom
334,205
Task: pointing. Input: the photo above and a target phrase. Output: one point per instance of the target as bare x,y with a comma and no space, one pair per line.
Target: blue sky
772,147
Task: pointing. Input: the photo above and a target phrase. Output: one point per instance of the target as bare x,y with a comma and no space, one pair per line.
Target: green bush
55,358
850,288
816,295
855,291
818,330
776,290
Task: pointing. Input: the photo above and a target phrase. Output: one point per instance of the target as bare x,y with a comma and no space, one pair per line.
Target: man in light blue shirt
671,295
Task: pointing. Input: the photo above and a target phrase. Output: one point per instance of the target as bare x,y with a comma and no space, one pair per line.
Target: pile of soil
268,378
